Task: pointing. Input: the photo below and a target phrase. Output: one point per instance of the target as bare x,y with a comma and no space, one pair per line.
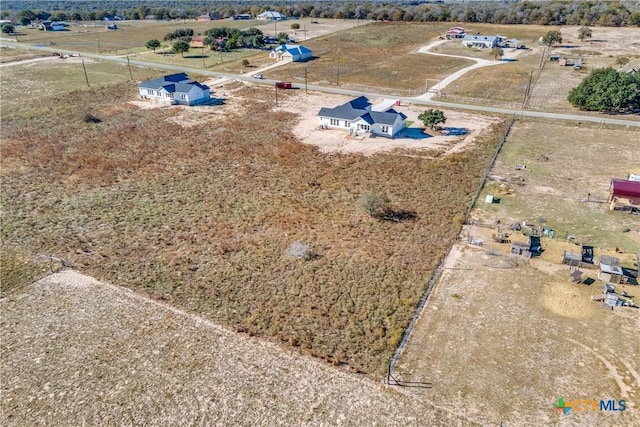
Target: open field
563,167
495,322
75,351
552,84
199,207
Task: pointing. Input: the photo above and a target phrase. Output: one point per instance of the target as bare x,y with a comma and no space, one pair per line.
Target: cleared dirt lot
79,352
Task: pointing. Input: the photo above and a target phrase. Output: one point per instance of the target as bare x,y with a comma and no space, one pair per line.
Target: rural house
291,53
455,33
624,195
359,116
271,15
483,42
175,89
212,16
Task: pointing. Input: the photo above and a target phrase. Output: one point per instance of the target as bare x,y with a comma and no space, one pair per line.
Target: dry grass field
551,84
79,352
201,213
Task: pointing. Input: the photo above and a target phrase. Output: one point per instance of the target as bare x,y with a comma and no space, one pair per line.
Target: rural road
420,100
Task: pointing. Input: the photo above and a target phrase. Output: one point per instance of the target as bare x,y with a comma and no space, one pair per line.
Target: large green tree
606,89
181,46
153,44
432,118
552,37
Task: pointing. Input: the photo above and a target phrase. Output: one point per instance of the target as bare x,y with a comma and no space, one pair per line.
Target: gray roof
359,108
172,83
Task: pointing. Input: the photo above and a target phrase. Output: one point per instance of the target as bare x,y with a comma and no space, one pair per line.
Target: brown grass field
202,216
194,210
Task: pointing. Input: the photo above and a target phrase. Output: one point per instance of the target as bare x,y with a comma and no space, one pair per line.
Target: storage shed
610,273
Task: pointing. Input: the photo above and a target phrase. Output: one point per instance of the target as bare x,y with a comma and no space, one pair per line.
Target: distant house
624,195
360,117
271,15
212,16
242,17
196,41
53,26
455,33
175,89
292,53
511,43
483,42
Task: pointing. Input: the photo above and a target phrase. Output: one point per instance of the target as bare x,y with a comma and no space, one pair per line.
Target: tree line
586,13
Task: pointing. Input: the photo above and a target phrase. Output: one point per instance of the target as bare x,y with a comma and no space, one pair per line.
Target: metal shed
610,273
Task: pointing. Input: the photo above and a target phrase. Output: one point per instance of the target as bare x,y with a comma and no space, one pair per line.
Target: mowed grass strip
203,216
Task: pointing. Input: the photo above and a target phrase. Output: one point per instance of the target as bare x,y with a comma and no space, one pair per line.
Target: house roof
360,108
294,49
611,269
178,82
479,38
625,188
271,14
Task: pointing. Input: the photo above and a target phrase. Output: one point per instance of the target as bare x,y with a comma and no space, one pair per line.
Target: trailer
284,85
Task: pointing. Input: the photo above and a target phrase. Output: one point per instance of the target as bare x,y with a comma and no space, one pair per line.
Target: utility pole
98,40
305,79
129,65
202,54
338,75
85,73
276,86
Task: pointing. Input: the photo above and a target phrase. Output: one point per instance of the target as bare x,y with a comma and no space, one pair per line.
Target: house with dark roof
175,89
360,117
291,53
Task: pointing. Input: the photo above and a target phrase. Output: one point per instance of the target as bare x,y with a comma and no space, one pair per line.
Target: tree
377,205
153,44
432,118
497,51
584,33
606,89
181,46
552,37
25,17
7,28
295,26
245,63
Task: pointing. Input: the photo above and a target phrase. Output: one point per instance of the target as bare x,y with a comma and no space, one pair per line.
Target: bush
377,205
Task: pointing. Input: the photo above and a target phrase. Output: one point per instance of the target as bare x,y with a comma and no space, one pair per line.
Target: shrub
377,205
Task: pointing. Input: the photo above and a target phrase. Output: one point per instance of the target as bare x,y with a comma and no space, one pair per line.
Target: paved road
420,100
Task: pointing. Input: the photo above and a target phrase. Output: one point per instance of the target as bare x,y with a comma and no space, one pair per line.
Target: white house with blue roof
360,117
291,52
175,89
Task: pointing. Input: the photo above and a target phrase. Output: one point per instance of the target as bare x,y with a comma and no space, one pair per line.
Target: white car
258,76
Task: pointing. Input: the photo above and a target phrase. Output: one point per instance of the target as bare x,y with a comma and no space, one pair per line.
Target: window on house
385,129
149,92
364,127
183,96
334,122
346,123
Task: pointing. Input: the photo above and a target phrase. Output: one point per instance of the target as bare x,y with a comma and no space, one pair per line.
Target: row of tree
587,12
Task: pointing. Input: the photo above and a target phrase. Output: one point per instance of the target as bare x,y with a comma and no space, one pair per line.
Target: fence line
436,275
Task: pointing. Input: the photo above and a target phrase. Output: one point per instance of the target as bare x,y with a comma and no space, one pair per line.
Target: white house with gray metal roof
360,117
175,89
485,42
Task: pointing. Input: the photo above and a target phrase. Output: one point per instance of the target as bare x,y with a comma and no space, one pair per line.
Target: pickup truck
283,85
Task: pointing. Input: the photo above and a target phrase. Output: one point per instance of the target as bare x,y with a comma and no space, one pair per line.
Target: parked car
258,76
